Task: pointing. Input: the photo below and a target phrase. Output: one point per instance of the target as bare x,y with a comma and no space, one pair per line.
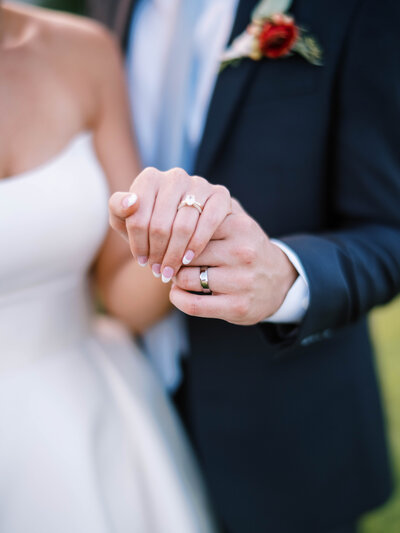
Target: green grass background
385,324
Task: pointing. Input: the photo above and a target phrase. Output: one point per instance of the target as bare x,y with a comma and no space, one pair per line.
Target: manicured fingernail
156,270
143,260
188,257
129,201
167,274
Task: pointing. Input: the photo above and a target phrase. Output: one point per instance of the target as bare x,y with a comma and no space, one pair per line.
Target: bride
88,442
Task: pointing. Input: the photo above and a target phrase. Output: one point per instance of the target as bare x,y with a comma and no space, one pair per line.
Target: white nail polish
188,258
131,200
156,269
143,261
167,274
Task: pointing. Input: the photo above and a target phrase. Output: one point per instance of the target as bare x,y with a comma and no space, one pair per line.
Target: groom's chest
269,131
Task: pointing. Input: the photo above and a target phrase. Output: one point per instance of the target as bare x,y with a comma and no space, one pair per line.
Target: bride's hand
159,233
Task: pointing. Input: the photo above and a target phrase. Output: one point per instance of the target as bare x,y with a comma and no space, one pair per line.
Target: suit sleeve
356,265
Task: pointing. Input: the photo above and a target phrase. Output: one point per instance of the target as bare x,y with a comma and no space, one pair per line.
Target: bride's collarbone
46,95
39,118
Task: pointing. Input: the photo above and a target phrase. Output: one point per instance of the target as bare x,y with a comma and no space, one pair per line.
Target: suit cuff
297,300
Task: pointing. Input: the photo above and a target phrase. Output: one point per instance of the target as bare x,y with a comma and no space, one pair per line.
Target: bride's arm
128,291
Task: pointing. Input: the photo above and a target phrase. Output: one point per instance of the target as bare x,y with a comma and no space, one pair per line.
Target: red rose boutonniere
272,34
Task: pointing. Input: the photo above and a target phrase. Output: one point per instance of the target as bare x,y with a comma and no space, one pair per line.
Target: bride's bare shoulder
69,39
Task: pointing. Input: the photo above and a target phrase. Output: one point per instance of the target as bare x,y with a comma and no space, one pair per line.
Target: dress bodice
53,220
88,439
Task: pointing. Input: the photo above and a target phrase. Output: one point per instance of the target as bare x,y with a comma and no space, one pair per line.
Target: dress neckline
68,147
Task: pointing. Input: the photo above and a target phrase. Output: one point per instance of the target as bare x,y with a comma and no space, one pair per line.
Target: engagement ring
190,201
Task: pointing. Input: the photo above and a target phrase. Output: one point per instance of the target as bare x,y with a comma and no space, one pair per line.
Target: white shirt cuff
297,300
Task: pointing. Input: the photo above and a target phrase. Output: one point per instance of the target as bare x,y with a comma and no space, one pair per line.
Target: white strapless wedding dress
88,442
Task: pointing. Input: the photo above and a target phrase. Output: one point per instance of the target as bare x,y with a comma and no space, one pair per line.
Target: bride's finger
122,205
146,187
184,226
163,217
217,208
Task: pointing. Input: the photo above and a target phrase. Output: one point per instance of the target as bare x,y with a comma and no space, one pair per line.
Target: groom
285,411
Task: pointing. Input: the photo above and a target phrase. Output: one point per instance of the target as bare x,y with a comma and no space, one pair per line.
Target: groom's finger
221,280
216,254
214,306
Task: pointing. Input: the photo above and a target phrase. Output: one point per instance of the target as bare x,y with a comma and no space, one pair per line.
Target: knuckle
149,171
158,231
200,181
177,174
246,222
236,207
177,171
221,189
136,224
246,254
182,230
147,174
240,308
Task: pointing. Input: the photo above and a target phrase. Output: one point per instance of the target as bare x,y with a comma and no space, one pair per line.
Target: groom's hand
248,275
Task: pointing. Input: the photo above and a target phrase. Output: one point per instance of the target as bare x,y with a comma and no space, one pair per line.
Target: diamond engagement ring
190,201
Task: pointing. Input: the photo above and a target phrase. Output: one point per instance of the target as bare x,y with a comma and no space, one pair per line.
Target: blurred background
385,325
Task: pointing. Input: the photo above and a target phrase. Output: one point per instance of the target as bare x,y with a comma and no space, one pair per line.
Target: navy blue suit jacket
287,420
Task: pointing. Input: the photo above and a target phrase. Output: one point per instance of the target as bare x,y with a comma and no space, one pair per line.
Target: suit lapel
228,91
229,88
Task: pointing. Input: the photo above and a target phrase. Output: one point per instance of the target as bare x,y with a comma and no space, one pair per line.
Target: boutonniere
272,33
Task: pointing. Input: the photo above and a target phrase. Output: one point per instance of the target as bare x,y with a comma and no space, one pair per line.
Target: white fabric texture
88,442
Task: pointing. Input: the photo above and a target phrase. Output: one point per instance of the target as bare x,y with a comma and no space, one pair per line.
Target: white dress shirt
172,66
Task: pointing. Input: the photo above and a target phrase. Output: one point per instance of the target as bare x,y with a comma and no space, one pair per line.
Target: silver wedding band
204,280
190,201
